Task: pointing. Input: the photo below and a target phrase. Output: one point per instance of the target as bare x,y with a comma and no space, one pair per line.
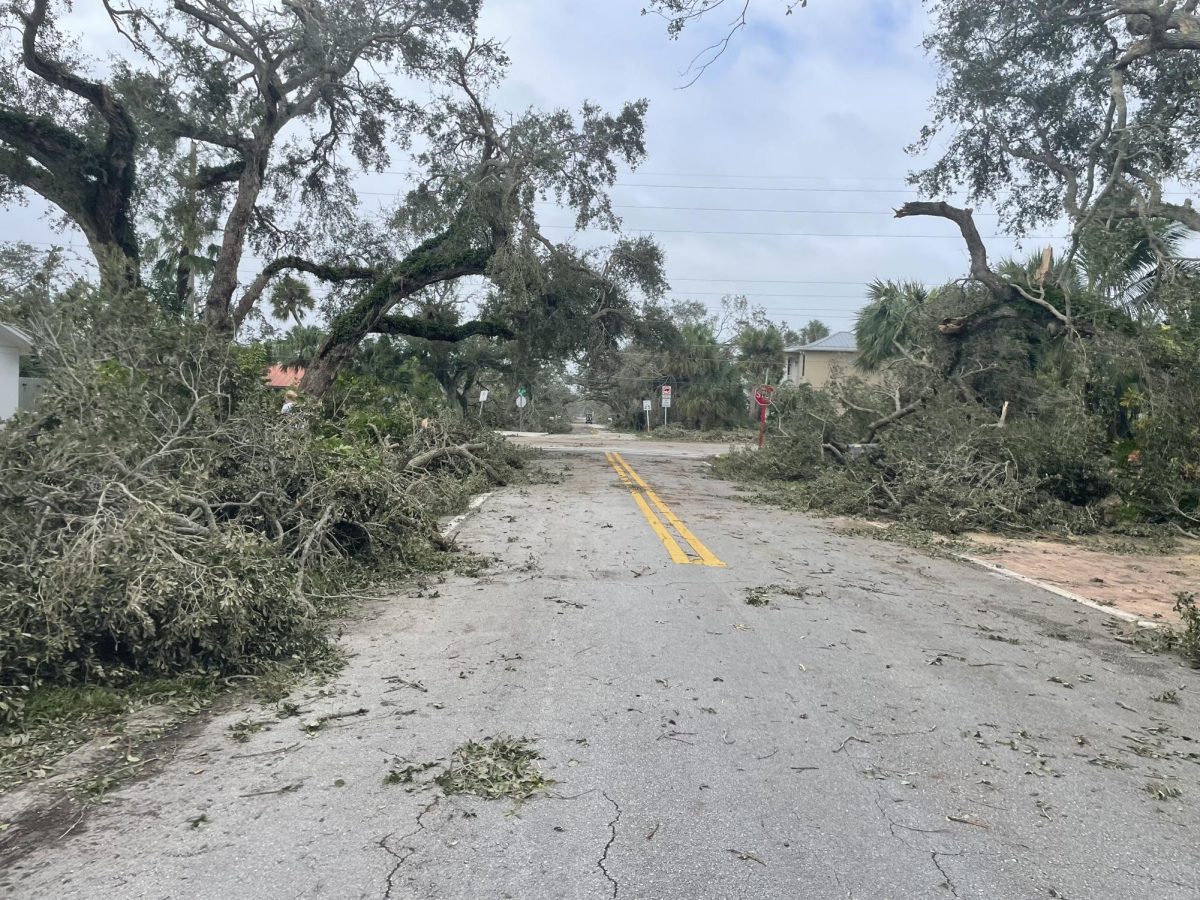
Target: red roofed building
284,376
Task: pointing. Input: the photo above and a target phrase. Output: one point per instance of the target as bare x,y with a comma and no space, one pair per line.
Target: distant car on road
587,417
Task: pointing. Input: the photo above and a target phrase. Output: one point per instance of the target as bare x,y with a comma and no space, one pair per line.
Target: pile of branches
159,513
945,470
993,408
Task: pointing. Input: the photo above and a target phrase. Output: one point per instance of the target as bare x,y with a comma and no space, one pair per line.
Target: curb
454,524
1002,572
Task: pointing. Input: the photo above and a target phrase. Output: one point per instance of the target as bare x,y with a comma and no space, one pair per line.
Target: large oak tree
226,130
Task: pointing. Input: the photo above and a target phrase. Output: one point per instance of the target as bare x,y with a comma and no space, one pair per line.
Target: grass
57,719
496,768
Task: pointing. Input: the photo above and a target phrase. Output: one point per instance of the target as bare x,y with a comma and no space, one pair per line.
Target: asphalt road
889,726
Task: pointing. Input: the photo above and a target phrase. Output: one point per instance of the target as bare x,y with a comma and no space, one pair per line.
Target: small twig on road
267,752
653,831
848,740
965,821
675,736
73,824
914,828
804,768
286,789
387,715
403,683
769,755
570,796
746,854
903,733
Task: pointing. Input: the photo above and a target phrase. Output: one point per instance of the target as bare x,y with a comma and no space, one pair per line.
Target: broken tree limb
963,218
466,451
981,271
423,459
887,420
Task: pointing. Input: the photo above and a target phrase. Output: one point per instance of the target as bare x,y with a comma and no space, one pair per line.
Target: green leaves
496,768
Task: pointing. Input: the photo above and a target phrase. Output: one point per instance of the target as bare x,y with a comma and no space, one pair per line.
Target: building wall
817,368
10,379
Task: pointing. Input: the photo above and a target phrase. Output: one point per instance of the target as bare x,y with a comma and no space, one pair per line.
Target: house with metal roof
14,343
817,363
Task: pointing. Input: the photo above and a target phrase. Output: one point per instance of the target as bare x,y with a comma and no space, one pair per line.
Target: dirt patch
1142,584
56,808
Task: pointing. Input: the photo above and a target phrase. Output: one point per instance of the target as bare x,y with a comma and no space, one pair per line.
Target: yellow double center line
699,554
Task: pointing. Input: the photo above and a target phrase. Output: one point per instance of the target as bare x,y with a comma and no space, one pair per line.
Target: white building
14,343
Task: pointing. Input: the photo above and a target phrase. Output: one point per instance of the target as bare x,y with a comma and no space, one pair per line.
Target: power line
721,187
780,188
954,237
860,283
691,293
900,178
804,212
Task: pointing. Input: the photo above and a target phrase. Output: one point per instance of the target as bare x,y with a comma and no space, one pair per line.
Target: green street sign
521,392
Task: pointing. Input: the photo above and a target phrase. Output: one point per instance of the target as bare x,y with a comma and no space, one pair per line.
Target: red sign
762,395
666,390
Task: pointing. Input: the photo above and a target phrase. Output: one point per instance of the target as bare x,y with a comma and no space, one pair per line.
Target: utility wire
955,237
743,209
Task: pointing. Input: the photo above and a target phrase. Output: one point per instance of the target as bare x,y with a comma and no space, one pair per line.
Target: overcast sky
773,176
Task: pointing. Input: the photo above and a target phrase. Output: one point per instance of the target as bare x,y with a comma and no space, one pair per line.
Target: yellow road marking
706,556
673,549
621,472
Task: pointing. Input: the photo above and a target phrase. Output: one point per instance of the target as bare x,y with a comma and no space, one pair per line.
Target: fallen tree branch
887,420
423,459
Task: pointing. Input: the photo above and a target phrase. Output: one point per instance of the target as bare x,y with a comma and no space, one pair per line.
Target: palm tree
1124,263
813,331
760,352
289,298
888,320
298,347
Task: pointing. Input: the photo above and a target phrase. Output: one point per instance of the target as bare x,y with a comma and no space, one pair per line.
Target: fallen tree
159,514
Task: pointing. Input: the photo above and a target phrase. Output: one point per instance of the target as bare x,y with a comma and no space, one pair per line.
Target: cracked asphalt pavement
888,725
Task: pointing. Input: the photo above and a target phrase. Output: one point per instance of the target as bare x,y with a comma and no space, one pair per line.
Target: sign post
483,395
666,401
762,396
522,402
646,404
